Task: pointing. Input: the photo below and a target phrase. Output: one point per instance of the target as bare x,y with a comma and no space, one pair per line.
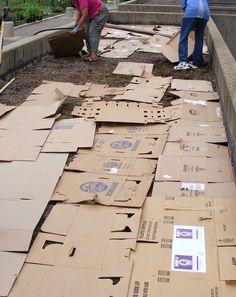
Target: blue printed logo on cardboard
183,262
93,187
121,144
110,165
184,233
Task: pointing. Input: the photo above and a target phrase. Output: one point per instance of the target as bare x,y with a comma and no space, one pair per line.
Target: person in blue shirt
196,15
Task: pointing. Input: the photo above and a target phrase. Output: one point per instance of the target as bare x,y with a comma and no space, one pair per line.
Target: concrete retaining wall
224,66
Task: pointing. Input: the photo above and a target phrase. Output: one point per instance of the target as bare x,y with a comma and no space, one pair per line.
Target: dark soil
75,70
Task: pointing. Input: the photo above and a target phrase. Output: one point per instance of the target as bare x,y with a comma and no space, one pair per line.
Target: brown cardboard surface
17,222
153,129
191,85
200,124
31,180
192,190
123,112
76,187
194,169
153,44
113,166
227,258
22,145
4,109
193,111
194,95
134,69
74,44
69,134
170,50
228,288
48,88
95,90
199,134
127,146
10,266
156,82
31,280
197,149
27,118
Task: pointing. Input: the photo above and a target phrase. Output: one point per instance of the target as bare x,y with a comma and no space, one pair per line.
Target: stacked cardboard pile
144,208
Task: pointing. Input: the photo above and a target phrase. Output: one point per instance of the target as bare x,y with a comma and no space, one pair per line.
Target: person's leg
186,27
86,31
199,36
95,29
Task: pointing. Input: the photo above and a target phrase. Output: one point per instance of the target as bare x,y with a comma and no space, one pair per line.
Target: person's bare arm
82,16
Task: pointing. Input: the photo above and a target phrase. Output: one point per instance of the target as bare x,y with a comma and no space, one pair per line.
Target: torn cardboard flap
197,149
134,69
153,129
193,190
196,95
108,190
113,166
17,222
194,169
227,258
4,109
200,134
128,146
10,266
70,134
24,175
191,85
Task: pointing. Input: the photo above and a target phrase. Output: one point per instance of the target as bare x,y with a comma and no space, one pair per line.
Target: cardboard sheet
4,109
76,187
197,134
153,44
153,129
208,96
227,263
10,266
21,145
127,146
113,166
191,85
188,123
121,49
134,69
95,90
122,112
17,222
194,169
197,149
193,190
70,134
32,180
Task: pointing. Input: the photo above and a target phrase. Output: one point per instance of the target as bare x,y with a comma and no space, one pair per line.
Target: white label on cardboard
166,176
195,102
193,186
188,251
219,112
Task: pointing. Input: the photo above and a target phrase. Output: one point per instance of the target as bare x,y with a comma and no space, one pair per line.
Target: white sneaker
191,65
182,66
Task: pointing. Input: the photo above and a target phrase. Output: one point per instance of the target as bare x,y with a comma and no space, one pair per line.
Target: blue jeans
189,24
93,29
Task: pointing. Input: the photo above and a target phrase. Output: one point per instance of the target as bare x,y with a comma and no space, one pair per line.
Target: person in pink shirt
93,15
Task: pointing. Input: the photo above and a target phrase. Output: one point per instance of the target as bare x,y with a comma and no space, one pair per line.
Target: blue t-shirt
195,9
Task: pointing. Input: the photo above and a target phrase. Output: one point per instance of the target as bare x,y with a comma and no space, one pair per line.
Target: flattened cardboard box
32,180
134,69
191,85
21,145
227,258
194,169
228,288
196,112
4,109
197,134
113,166
199,124
193,190
152,129
17,222
76,187
127,146
10,266
196,149
194,95
123,112
70,134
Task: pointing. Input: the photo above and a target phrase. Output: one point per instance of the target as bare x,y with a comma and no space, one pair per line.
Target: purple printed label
183,262
184,233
